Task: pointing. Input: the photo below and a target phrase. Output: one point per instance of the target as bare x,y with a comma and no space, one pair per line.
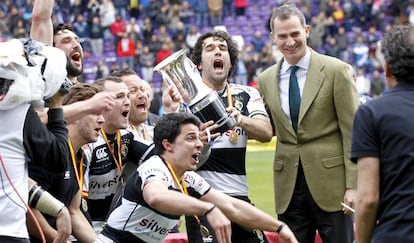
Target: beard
73,71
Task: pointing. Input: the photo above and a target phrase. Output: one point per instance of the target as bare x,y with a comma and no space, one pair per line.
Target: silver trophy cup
202,101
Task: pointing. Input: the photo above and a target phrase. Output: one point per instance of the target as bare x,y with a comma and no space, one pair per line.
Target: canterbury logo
101,153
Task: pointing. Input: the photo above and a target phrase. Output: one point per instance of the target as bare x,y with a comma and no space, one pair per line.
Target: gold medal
204,231
233,136
205,234
84,205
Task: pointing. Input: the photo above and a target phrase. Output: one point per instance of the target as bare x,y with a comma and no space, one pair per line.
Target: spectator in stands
215,12
121,7
133,29
118,28
152,11
163,34
240,72
240,7
96,36
154,44
332,48
319,26
191,37
362,83
134,8
13,18
20,30
372,38
377,84
164,52
342,43
92,10
147,30
126,51
360,51
162,15
173,19
201,13
107,13
228,8
101,69
4,28
186,13
147,63
258,41
81,28
361,14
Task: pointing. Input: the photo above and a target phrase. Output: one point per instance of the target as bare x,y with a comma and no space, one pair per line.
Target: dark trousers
304,217
239,233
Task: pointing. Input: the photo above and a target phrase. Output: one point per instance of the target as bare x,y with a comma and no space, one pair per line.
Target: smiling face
138,96
117,118
69,43
215,62
290,37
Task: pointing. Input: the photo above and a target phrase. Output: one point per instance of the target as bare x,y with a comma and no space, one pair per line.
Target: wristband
280,228
209,211
44,202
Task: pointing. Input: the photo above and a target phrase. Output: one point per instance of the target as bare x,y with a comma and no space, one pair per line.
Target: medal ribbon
182,187
118,136
78,172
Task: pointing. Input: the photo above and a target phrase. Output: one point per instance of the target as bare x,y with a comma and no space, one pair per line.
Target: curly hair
222,35
397,48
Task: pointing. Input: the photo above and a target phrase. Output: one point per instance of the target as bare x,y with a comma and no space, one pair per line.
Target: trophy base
211,107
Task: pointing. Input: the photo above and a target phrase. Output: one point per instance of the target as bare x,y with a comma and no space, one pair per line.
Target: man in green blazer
312,170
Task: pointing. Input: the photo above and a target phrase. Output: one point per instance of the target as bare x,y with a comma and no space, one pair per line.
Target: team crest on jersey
124,150
238,102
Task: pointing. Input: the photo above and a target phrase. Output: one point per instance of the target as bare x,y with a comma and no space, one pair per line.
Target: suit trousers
304,217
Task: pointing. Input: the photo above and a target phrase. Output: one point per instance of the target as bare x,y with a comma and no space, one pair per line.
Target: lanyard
182,186
119,161
144,131
78,169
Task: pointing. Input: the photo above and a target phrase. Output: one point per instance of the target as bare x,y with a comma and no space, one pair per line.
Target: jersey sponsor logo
101,153
153,226
106,184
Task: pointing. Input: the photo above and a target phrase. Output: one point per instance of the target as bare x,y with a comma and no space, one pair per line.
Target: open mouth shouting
141,106
218,65
196,158
76,58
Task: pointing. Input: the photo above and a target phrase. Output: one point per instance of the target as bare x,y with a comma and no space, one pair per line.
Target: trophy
202,101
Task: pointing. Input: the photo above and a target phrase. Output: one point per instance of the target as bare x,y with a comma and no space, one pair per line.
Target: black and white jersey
134,218
225,170
102,176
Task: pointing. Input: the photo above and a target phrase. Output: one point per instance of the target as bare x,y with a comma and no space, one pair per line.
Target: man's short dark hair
169,127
